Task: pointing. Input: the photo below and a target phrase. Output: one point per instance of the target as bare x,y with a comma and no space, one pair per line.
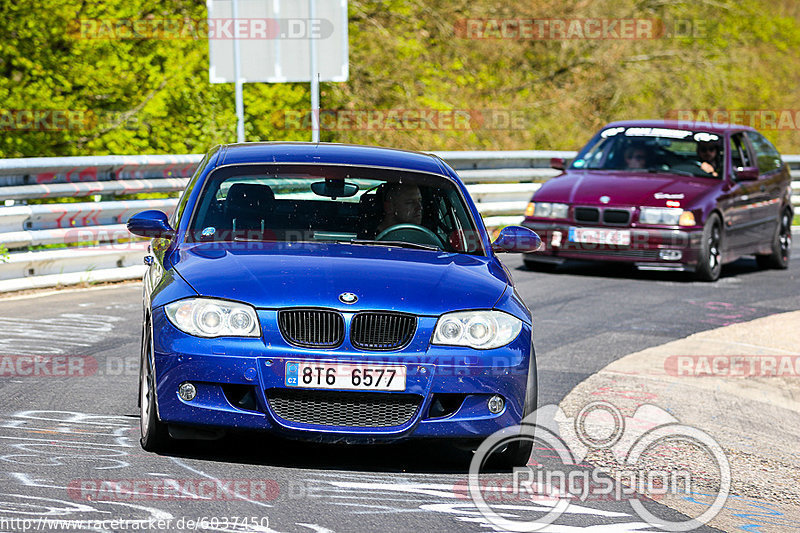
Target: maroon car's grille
616,216
382,331
622,253
312,328
587,214
350,409
593,215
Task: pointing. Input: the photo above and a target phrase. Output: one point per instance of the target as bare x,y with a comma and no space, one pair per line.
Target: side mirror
746,173
516,239
152,223
558,163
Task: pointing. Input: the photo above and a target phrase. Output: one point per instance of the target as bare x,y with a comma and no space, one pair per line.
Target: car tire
709,264
781,244
154,433
539,266
518,453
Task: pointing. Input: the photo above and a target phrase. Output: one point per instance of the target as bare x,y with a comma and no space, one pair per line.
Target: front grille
382,331
616,216
587,214
312,328
353,409
622,253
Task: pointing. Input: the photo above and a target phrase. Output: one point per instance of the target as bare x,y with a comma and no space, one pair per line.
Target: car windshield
331,203
638,149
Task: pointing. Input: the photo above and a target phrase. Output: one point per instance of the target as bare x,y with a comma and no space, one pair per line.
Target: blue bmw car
333,293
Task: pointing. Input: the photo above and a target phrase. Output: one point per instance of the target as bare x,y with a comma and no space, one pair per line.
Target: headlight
206,317
477,329
666,216
547,210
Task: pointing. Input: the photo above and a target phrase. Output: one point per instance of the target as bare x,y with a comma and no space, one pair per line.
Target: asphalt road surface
61,438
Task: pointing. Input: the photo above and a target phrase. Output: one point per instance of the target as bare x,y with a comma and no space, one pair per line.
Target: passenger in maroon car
708,154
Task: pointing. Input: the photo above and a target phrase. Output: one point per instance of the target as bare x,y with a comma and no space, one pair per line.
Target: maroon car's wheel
781,244
154,434
709,264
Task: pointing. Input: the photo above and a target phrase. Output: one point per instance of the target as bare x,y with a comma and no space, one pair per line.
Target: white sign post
277,41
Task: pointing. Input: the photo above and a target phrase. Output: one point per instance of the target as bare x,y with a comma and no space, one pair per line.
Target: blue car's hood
272,275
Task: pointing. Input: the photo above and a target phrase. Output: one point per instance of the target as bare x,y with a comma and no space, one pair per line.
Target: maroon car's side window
740,157
767,157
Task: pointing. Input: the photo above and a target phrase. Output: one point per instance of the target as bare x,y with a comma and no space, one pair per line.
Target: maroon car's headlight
666,216
547,210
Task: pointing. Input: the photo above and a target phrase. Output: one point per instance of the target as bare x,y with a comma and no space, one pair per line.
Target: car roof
714,127
329,153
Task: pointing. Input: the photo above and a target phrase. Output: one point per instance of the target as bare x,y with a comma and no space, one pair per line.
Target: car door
739,198
772,180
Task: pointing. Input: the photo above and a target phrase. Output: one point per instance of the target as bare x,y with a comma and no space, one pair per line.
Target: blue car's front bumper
257,365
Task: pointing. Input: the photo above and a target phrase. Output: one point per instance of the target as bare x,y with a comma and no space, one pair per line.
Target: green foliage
153,96
3,254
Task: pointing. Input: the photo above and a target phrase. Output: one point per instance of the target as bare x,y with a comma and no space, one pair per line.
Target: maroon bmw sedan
666,195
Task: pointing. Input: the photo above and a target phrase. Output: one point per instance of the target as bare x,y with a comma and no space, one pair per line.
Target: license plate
618,237
314,375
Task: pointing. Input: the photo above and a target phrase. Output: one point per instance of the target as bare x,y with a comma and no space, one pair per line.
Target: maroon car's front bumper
649,248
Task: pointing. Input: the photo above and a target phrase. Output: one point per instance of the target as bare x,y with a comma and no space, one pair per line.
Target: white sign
274,38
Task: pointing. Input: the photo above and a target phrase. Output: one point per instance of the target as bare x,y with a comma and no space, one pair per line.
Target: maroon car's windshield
637,149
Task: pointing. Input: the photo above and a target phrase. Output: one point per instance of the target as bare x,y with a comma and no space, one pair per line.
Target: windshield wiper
656,170
399,244
245,239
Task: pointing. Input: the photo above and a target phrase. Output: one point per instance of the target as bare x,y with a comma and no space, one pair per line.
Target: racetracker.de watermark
404,119
153,523
47,366
567,29
760,119
162,489
49,120
733,366
214,29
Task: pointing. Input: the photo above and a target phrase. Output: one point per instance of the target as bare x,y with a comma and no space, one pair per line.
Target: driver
402,204
635,157
708,154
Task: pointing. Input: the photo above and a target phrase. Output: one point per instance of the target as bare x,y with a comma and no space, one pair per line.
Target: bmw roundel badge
348,298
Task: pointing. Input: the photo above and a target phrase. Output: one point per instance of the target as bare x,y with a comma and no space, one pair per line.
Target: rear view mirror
334,188
516,239
746,173
558,163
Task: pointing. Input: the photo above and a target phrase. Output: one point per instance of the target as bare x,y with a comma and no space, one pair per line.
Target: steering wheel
410,233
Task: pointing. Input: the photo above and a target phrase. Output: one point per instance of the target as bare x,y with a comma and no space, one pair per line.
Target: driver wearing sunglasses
708,154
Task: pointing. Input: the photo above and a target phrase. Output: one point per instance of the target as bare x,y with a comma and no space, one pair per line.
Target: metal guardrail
501,183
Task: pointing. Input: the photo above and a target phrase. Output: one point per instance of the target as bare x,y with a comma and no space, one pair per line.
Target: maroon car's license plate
619,237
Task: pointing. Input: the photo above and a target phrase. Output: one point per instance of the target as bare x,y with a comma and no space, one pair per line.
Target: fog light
187,391
496,404
670,255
